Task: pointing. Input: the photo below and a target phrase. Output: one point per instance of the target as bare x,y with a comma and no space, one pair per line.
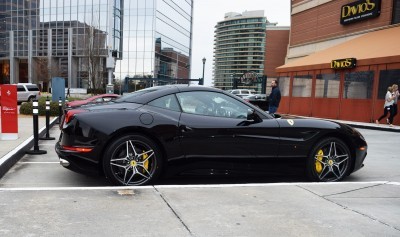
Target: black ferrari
168,130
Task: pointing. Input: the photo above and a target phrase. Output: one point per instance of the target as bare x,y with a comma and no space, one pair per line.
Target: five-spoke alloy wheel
330,160
132,160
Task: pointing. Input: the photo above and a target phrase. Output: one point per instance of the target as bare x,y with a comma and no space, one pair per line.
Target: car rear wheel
330,160
132,160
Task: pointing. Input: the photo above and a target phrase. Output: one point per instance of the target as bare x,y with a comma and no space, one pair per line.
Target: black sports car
178,128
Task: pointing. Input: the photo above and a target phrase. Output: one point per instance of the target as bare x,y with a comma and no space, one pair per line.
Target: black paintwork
190,141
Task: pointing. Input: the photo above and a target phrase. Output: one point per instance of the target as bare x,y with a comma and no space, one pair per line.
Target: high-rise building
41,39
239,49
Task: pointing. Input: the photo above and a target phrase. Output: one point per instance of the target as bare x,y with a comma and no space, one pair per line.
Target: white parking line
39,162
188,186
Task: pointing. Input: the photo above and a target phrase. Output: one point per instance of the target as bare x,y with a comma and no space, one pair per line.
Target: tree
93,42
45,71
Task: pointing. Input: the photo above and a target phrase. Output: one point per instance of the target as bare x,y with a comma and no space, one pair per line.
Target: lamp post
204,63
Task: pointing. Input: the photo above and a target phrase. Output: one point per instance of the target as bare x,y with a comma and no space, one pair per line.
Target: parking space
40,197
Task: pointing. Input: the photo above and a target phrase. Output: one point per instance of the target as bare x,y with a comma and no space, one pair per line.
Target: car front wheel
132,160
330,160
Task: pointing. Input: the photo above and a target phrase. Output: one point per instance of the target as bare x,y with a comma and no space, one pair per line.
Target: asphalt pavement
53,201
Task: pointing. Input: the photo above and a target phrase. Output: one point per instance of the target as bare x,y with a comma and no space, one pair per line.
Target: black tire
132,160
329,161
30,99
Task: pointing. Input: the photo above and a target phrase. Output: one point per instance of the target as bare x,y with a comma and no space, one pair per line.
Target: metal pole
59,110
47,121
204,64
35,150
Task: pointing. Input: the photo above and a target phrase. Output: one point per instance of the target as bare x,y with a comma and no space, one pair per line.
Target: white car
27,92
242,92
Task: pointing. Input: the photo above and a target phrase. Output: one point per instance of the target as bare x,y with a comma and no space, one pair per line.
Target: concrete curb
387,129
11,158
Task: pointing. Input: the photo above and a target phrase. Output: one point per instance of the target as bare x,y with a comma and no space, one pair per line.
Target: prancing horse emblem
290,121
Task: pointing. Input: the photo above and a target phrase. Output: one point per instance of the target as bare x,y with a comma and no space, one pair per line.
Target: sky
206,14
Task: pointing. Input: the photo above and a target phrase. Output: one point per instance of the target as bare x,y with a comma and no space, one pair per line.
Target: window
284,85
32,87
212,104
166,102
387,78
358,85
327,85
302,86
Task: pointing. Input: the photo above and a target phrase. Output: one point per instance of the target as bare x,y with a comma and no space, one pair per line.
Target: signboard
9,112
359,11
57,89
345,63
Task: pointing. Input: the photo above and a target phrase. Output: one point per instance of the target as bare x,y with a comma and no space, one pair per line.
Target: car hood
77,103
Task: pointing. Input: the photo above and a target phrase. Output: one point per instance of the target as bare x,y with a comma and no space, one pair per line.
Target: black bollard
59,110
36,150
47,137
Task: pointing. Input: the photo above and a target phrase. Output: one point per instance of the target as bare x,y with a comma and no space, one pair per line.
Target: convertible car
164,130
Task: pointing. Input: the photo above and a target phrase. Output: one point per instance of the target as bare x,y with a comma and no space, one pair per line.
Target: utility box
57,89
110,89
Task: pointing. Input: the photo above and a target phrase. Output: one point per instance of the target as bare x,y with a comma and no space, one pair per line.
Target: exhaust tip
64,163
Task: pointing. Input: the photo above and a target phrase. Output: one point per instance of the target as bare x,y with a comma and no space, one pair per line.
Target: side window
166,102
108,99
32,88
212,104
20,88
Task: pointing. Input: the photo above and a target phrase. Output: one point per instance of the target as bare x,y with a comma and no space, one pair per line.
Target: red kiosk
9,112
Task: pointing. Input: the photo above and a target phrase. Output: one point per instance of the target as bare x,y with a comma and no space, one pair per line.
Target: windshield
132,97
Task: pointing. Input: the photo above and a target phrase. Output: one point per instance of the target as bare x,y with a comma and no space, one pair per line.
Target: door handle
185,128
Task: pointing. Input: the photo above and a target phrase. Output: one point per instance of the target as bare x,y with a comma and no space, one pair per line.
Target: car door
214,126
22,93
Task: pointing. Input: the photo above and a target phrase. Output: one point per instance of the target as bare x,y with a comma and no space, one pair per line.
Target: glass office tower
41,39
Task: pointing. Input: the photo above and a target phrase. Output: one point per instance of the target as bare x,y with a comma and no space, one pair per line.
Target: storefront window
387,78
302,85
396,12
327,85
284,85
358,85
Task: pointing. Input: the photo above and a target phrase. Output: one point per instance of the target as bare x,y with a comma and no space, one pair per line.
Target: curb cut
11,158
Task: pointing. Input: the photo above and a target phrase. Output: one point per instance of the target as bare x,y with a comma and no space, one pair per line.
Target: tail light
78,149
71,113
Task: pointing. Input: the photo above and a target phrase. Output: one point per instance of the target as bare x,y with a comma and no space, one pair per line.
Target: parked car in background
242,92
97,99
259,100
27,92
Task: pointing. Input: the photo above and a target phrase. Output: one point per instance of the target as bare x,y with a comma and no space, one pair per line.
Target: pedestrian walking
387,107
274,98
396,94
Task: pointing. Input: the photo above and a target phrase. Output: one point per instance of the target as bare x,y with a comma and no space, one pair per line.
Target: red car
97,99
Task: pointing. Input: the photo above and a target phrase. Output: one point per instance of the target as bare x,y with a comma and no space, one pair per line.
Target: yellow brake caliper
146,163
318,164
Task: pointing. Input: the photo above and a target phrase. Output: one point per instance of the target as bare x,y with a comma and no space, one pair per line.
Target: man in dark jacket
274,98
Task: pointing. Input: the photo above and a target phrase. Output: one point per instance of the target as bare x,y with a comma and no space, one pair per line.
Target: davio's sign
345,63
359,11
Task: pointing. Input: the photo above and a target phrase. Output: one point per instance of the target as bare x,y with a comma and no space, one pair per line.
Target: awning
378,47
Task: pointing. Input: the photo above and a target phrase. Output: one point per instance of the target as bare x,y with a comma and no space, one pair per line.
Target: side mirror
252,115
